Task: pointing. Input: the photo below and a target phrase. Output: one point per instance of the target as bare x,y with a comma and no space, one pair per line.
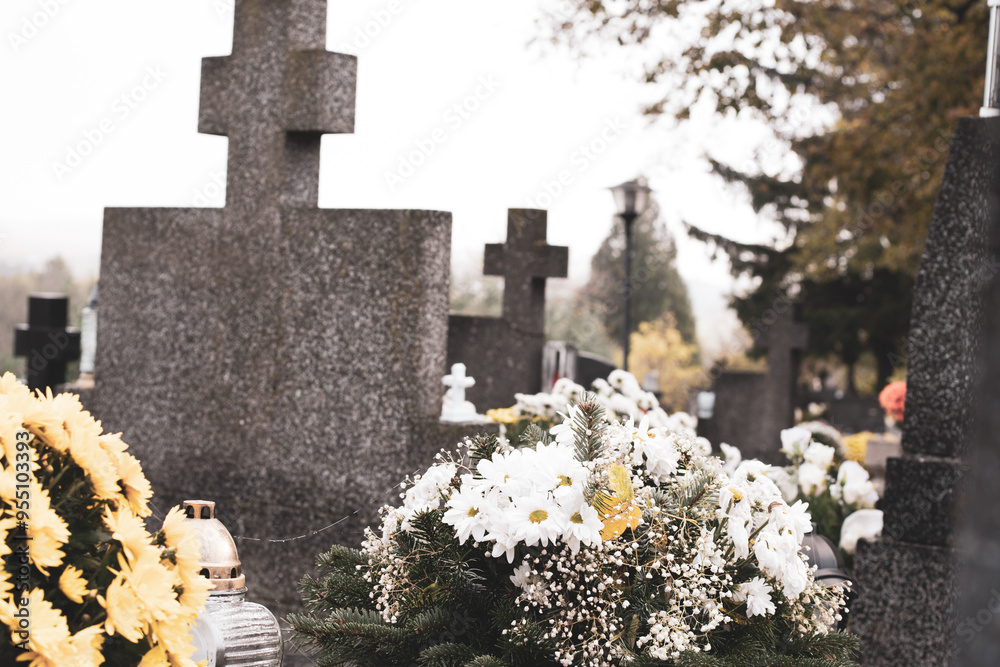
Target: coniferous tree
657,287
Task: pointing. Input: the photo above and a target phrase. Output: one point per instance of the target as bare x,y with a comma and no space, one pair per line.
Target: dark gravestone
978,627
590,367
850,414
282,360
46,341
751,409
505,354
907,579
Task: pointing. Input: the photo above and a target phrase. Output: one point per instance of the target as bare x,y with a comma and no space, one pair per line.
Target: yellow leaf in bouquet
616,506
625,515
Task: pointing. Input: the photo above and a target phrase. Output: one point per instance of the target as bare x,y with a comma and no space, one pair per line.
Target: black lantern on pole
631,199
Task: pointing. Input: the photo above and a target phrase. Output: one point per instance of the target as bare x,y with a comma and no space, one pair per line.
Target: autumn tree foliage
861,98
659,347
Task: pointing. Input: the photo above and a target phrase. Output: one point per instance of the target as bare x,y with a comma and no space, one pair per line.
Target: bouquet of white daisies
597,543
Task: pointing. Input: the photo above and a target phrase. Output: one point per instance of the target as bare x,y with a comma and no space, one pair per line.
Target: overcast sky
124,76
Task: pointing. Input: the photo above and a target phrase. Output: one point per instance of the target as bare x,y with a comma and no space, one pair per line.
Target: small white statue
456,408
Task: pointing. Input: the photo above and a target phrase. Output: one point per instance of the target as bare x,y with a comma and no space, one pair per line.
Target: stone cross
456,408
525,261
46,341
506,352
274,97
309,343
785,339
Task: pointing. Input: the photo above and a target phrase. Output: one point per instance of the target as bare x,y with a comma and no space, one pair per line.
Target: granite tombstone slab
280,359
751,409
907,579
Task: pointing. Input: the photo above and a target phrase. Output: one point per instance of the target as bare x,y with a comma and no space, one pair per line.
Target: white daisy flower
812,479
733,458
854,486
794,441
507,472
757,594
819,455
583,525
469,513
555,468
536,519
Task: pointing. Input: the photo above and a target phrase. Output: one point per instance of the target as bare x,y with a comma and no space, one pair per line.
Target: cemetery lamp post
631,198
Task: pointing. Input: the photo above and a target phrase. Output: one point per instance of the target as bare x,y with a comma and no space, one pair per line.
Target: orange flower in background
893,399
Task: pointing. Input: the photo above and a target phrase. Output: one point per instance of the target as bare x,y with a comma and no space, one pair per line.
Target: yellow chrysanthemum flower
182,541
153,584
47,532
87,645
91,457
124,610
156,596
134,484
41,418
48,634
113,443
174,529
8,486
10,426
174,636
155,657
129,530
73,585
6,585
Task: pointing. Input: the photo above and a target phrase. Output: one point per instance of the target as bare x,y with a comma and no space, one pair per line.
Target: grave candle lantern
231,631
830,567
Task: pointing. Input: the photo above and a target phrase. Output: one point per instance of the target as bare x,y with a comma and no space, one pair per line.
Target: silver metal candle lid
219,559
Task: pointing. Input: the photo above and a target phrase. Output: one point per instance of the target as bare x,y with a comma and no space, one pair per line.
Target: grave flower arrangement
595,544
621,396
82,582
832,492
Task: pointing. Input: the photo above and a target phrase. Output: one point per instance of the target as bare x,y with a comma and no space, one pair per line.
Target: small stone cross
46,341
525,261
456,408
274,97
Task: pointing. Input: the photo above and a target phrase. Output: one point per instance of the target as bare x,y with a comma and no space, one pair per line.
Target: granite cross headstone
282,359
505,354
46,340
907,579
